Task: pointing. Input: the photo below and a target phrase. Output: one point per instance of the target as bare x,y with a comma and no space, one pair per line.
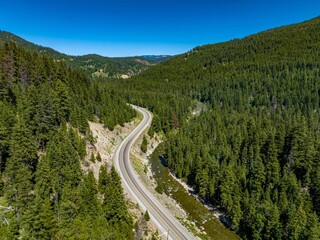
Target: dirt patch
106,144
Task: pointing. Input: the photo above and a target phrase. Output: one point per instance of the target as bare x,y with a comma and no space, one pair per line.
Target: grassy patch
138,166
193,229
3,202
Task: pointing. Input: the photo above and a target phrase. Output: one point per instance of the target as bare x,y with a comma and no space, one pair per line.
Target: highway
169,227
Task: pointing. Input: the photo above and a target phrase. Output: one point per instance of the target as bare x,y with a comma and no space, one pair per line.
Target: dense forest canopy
255,150
44,194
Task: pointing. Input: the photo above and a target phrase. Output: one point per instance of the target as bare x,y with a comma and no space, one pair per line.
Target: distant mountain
95,65
156,58
104,67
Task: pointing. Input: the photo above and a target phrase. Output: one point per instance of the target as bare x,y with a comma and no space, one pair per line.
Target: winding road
169,226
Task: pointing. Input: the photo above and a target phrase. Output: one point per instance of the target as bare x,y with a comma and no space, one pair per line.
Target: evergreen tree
99,157
146,216
144,145
92,158
19,185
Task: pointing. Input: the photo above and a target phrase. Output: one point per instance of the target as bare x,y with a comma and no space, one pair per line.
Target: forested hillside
255,151
44,111
94,65
100,67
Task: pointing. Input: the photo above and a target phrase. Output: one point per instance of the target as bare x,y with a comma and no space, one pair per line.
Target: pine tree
273,225
6,122
65,172
144,144
314,226
115,207
272,164
104,179
45,221
99,157
63,101
146,216
92,158
89,200
114,203
19,185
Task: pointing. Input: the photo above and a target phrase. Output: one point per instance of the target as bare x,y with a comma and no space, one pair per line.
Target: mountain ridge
93,64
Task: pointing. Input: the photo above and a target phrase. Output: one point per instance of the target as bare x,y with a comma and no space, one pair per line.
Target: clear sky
138,27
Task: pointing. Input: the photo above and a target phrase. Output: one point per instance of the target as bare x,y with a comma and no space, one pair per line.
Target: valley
160,146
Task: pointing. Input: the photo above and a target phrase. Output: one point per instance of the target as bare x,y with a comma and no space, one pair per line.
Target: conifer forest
48,194
252,148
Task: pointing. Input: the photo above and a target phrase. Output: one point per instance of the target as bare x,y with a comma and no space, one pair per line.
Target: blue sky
137,27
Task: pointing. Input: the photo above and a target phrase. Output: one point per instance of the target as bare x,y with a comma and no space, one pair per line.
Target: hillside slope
95,65
44,111
255,151
267,49
6,36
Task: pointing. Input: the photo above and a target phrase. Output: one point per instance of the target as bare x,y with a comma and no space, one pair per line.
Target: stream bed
197,213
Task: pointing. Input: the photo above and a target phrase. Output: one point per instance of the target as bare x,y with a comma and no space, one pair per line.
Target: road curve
169,226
